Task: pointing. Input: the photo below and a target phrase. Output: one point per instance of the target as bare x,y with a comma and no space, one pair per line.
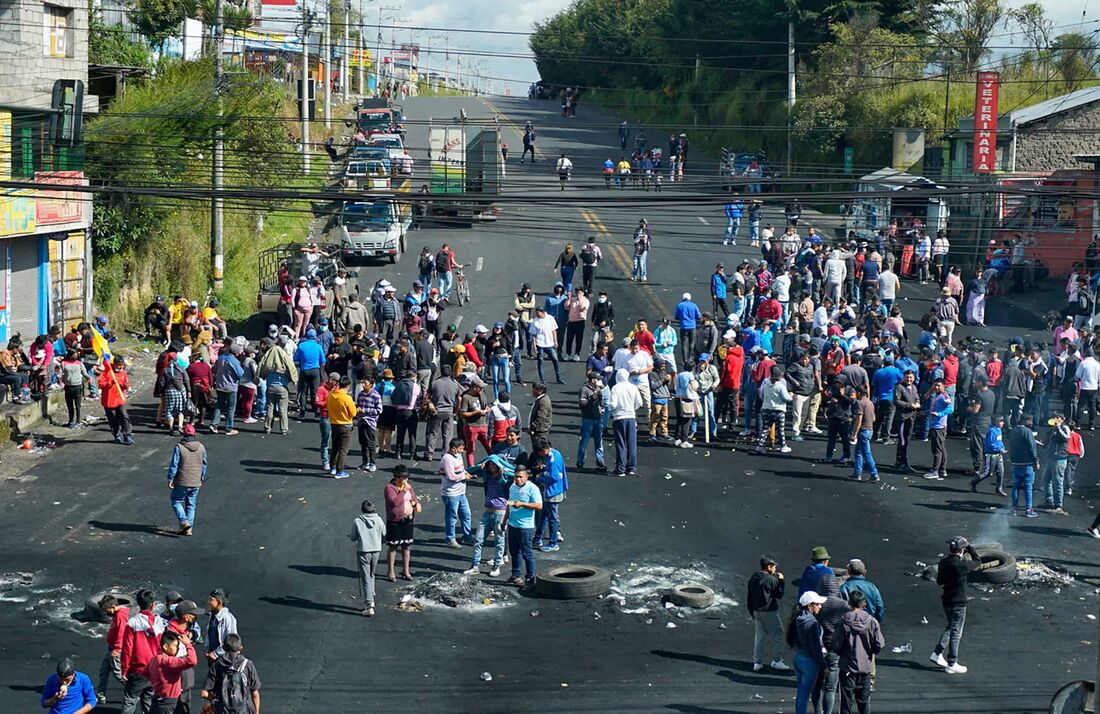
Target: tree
158,19
1035,25
111,44
1075,57
966,29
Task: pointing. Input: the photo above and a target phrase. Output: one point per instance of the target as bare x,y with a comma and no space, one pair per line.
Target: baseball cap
187,607
957,544
188,429
811,598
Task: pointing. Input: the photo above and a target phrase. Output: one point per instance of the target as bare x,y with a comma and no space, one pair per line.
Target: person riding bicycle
565,169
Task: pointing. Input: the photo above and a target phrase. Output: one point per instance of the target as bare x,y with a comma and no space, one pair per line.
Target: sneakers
473,570
325,466
955,669
686,445
1059,511
815,430
249,420
1031,514
756,667
779,666
938,659
677,442
102,697
785,450
517,581
367,612
760,449
550,548
1000,492
797,437
745,432
231,432
127,441
1093,532
496,570
341,474
452,543
933,476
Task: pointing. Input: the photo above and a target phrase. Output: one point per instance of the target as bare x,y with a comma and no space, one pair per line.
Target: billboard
985,122
59,207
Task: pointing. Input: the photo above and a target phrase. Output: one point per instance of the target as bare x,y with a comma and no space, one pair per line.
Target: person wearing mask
765,589
805,637
603,321
659,396
1054,475
952,574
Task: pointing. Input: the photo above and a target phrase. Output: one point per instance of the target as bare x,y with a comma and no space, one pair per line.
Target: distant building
1039,138
45,249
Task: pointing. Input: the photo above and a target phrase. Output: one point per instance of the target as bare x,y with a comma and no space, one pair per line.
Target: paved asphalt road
271,528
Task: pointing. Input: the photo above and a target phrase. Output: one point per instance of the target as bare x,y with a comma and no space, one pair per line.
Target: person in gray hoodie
857,639
367,531
186,474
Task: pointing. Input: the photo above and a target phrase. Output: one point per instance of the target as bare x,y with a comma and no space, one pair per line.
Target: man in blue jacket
857,581
734,210
718,290
882,394
548,469
818,568
310,358
68,691
688,316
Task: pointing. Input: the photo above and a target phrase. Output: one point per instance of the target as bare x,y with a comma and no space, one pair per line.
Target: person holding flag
114,383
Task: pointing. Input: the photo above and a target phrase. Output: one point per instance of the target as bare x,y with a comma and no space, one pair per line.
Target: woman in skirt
402,506
387,420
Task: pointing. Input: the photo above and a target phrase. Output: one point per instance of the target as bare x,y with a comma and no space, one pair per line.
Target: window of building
58,31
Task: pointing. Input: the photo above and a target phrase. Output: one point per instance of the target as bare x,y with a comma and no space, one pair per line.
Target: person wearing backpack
590,259
426,266
233,684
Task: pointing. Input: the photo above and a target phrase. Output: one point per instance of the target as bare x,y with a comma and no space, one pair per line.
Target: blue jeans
567,277
326,437
626,445
490,521
498,368
519,545
863,454
183,503
547,518
640,266
590,429
517,362
806,669
1023,479
446,283
754,230
259,407
455,508
733,226
738,307
711,416
1055,477
227,402
551,355
426,280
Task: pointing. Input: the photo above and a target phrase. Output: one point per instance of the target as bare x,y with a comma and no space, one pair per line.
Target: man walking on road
735,208
367,531
590,260
952,575
624,403
544,330
939,408
642,243
186,474
765,590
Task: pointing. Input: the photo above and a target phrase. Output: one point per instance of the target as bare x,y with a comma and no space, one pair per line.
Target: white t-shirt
544,329
639,361
782,287
940,246
887,285
1089,373
924,248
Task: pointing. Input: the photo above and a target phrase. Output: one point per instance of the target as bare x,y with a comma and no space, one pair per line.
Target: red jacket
110,397
117,629
769,309
732,367
164,671
141,642
471,354
321,402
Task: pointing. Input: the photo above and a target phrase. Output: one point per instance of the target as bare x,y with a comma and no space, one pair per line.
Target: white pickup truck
374,229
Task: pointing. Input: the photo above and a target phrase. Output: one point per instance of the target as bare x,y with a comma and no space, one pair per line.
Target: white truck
373,229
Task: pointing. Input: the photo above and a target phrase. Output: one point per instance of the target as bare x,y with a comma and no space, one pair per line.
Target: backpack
234,696
588,255
442,262
427,262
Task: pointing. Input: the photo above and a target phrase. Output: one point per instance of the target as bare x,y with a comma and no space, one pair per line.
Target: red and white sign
985,122
60,207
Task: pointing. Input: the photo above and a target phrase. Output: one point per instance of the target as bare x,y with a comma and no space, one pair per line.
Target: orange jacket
110,397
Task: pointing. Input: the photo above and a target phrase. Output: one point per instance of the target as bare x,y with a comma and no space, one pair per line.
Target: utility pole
790,86
326,56
217,216
378,57
307,21
362,71
345,79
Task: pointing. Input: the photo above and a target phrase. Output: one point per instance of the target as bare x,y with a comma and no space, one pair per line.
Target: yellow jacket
341,408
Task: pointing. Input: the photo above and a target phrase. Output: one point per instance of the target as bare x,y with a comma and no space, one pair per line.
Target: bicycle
462,287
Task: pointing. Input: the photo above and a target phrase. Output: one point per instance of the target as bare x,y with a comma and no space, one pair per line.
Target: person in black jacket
1023,454
952,575
766,588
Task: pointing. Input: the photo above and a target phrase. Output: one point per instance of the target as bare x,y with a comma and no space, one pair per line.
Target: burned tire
691,595
573,582
92,613
998,567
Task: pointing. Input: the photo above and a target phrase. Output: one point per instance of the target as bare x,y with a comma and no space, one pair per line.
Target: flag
103,352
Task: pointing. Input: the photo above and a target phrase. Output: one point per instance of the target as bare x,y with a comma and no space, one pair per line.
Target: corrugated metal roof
1057,105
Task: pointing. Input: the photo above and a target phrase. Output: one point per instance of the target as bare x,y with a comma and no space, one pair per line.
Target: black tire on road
92,613
691,595
573,582
998,567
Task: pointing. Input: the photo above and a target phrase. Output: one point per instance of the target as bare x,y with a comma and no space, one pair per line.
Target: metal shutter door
24,288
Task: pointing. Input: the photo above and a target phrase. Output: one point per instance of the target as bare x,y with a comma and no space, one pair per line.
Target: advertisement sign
360,58
57,207
16,212
985,122
5,146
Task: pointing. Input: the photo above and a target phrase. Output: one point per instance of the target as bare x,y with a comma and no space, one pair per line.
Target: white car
373,230
392,143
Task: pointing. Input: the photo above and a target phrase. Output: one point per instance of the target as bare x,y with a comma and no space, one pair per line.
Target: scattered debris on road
455,590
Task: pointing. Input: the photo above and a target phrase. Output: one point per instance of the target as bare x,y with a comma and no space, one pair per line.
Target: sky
514,74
